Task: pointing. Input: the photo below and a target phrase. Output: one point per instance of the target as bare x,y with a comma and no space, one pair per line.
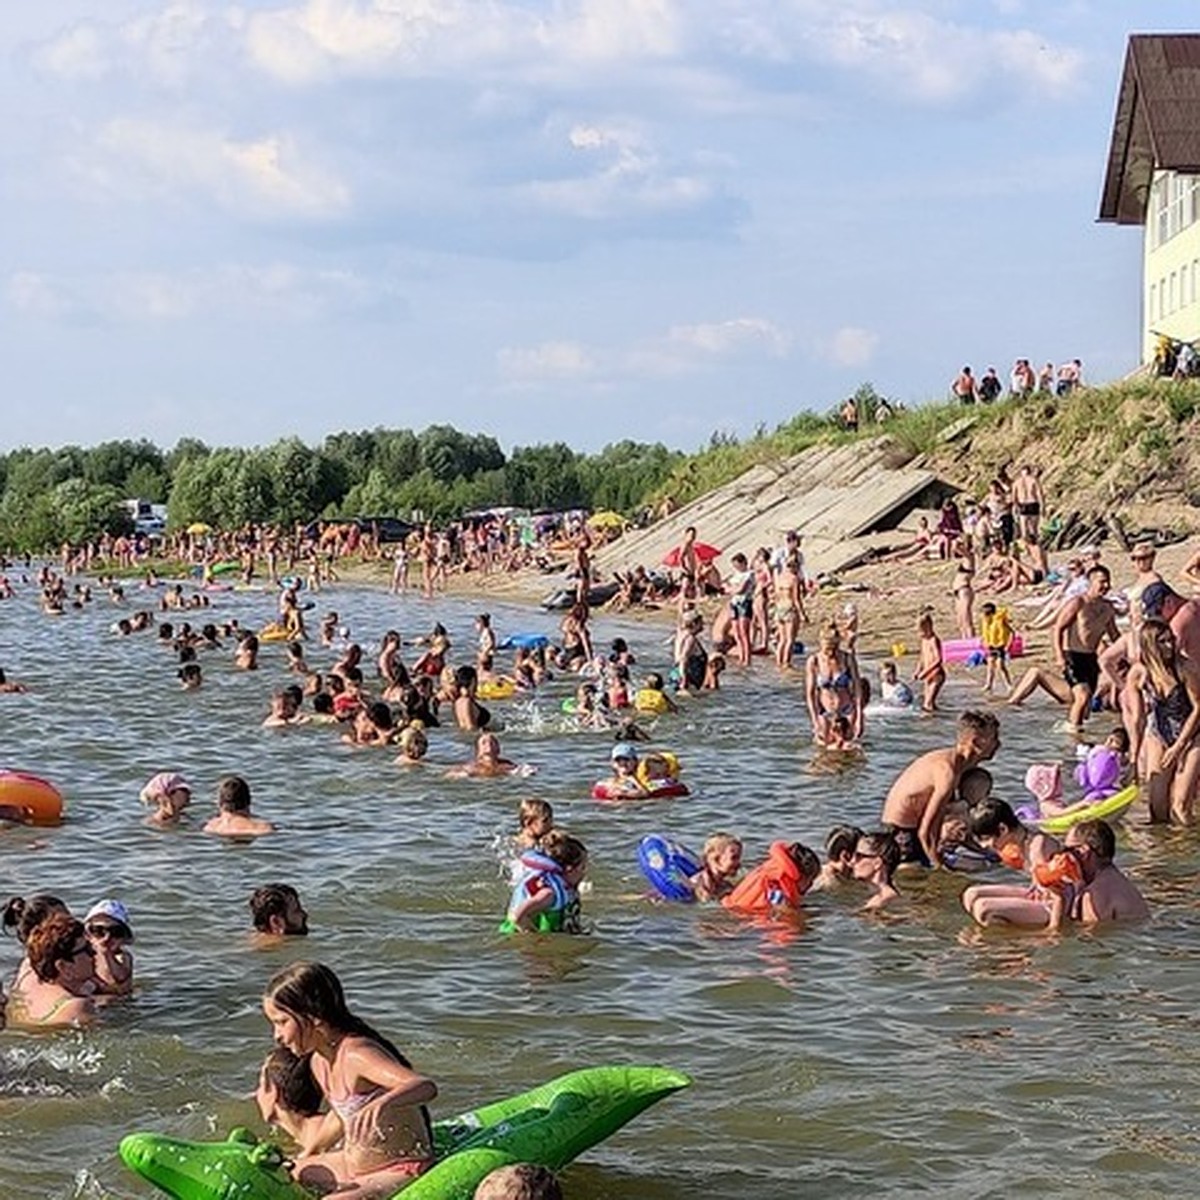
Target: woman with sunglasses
60,957
876,857
109,934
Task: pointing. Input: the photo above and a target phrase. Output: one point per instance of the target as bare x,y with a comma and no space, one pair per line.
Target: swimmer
876,857
713,672
10,686
56,990
996,827
329,628
170,794
779,882
376,1100
545,896
276,912
652,698
721,859
893,691
295,658
284,711
246,656
109,932
190,677
234,818
624,780
536,820
373,725
915,804
413,743
322,713
488,762
288,1097
840,844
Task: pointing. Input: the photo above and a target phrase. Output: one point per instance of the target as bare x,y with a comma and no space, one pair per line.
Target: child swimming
545,897
536,818
722,859
376,1100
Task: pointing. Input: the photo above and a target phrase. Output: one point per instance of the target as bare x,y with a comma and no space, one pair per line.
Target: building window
1153,300
1171,304
1160,208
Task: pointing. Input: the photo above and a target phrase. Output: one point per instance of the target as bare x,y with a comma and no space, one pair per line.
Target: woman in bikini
789,609
832,688
61,974
376,1100
1166,688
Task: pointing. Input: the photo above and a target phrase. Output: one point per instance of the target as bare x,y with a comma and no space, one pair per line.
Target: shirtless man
916,803
1106,895
10,686
234,818
1080,628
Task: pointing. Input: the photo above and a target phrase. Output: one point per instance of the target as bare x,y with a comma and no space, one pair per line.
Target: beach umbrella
198,527
704,554
607,520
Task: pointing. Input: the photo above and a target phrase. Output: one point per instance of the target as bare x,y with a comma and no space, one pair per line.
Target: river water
840,1055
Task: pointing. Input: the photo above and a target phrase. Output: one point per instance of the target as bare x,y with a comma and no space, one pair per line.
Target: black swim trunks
1082,669
909,843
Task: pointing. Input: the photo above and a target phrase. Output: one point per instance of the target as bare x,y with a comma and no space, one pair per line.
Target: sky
575,220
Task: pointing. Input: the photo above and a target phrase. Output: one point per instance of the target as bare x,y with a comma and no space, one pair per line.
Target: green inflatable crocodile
549,1125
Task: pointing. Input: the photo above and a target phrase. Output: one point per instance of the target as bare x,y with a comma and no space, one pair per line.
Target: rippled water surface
836,1056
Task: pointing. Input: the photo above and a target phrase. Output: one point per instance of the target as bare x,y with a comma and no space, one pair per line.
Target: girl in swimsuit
376,1100
832,688
1166,687
740,588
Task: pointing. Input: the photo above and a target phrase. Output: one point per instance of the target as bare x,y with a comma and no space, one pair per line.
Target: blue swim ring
667,866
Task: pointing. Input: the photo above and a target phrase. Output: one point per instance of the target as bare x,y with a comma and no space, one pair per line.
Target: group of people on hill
1023,381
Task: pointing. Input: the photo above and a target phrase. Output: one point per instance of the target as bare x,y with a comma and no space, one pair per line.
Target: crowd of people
1023,381
350,1100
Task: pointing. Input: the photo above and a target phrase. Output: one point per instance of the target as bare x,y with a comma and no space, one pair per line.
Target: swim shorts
909,843
1082,669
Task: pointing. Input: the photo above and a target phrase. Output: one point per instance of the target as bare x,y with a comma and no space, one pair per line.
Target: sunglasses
859,855
105,931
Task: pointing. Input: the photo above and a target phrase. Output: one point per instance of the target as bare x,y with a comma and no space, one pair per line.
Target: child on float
876,857
376,1100
169,794
721,860
536,820
840,844
545,896
996,827
624,781
109,933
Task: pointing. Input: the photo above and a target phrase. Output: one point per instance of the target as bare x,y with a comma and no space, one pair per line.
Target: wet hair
23,916
335,683
566,850
352,675
189,672
972,779
380,715
233,794
322,703
295,693
270,901
1098,836
841,840
311,991
187,654
166,631
52,941
534,810
466,677
805,859
620,646
519,1181
991,817
291,1076
883,842
718,843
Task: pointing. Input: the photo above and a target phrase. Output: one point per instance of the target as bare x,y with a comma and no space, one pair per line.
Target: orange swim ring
29,798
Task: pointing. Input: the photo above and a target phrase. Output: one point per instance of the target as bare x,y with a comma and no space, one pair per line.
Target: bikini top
835,683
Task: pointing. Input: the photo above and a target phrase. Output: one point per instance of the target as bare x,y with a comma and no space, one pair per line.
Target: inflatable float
1101,810
657,772
29,798
972,650
276,633
565,597
667,867
549,1125
497,689
524,641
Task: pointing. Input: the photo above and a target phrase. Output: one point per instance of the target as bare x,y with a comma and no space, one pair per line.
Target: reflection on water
834,1055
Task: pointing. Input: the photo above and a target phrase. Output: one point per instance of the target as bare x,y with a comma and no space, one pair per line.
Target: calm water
840,1056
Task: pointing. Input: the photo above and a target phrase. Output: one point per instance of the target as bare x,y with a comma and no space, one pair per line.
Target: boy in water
234,818
722,859
915,805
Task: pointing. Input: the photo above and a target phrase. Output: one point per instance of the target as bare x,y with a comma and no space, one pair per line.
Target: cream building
1153,178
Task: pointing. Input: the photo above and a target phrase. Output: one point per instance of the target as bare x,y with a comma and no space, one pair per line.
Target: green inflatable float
549,1125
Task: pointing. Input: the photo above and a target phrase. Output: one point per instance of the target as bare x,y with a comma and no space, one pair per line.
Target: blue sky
582,220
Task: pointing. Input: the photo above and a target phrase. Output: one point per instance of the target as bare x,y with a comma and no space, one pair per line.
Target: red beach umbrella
704,554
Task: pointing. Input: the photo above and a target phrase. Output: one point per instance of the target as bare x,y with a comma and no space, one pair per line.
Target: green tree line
48,496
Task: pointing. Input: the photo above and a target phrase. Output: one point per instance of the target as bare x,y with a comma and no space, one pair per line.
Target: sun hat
163,784
114,910
624,750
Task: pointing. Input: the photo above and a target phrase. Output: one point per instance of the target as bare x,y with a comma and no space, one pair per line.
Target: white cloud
851,346
681,350
550,360
247,292
78,53
265,178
